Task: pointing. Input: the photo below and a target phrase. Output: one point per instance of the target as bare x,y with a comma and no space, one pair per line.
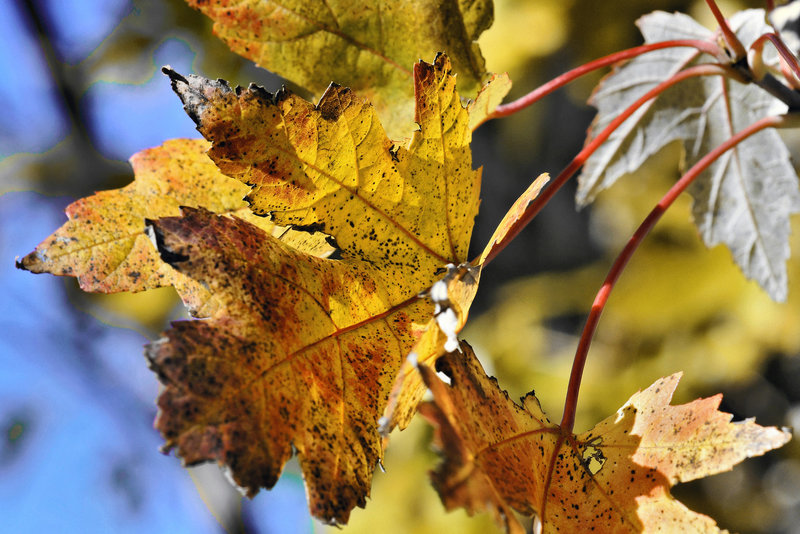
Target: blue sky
78,451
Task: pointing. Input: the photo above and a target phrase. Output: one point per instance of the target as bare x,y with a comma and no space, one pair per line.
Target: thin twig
732,42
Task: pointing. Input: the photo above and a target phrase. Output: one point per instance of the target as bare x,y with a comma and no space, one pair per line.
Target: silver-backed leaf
744,199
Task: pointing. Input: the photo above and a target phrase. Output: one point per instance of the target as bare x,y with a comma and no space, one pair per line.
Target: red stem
578,364
789,64
788,60
577,162
537,94
734,44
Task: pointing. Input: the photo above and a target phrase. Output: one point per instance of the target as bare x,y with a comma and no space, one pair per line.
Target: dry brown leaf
501,456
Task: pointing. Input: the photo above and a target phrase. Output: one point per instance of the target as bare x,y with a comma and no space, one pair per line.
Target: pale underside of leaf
743,200
367,46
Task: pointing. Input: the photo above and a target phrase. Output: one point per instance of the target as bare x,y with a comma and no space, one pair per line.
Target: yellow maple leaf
332,168
489,97
367,46
501,456
105,244
303,351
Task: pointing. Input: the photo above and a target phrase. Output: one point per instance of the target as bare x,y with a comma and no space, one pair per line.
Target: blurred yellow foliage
523,30
146,311
700,12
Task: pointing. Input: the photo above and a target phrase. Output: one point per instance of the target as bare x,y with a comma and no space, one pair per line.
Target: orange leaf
501,456
104,243
303,351
513,215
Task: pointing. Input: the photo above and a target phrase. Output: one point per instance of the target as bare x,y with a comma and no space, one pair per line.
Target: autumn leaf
303,351
513,215
744,199
489,97
104,243
367,46
296,358
501,456
331,167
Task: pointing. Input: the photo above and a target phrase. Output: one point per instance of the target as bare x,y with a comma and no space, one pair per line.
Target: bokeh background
81,92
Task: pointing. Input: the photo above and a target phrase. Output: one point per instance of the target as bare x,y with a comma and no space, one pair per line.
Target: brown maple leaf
501,456
303,351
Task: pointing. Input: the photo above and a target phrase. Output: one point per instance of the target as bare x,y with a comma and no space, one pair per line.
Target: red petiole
577,162
732,43
578,364
560,81
789,65
735,48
